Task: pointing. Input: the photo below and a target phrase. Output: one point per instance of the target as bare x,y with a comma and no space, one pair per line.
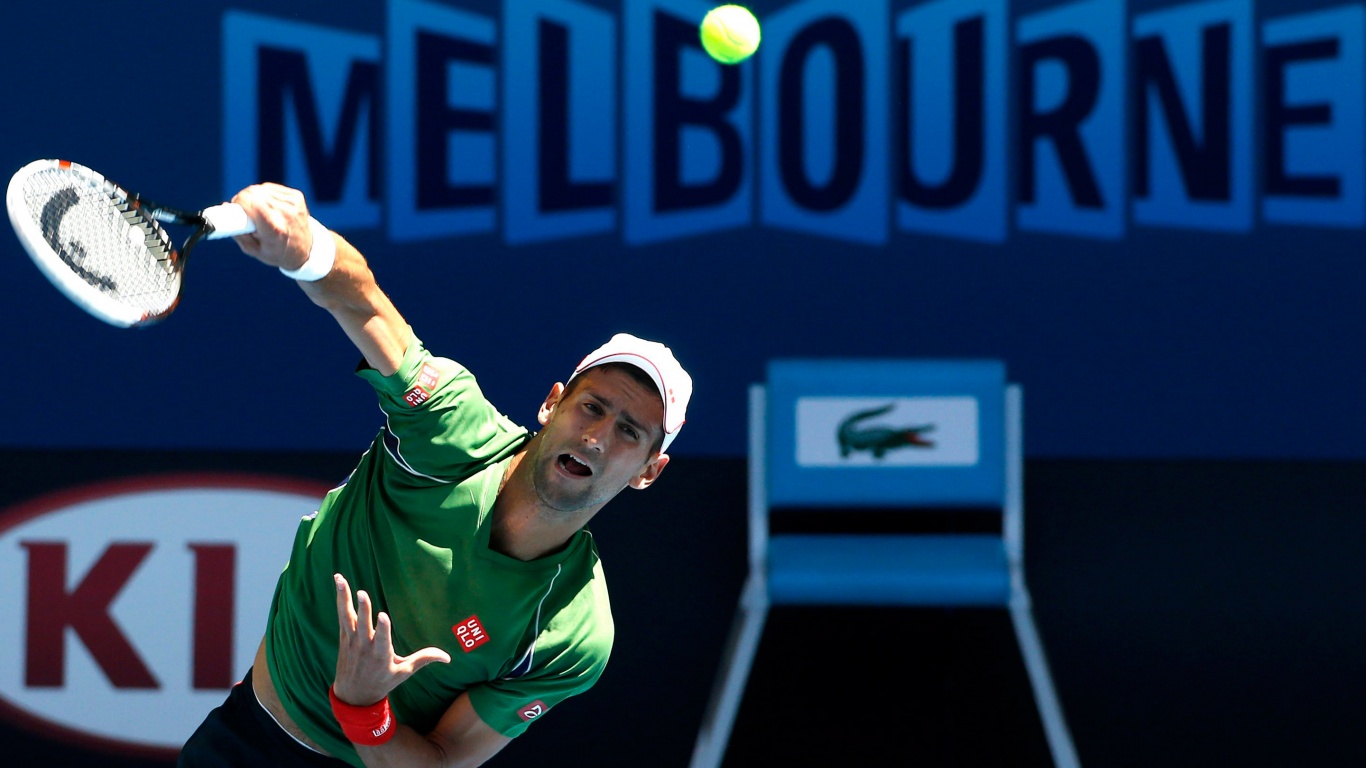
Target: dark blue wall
1216,314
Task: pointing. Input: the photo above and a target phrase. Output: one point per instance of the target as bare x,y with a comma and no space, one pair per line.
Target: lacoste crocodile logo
879,440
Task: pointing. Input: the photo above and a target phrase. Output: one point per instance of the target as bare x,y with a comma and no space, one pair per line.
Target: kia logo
137,604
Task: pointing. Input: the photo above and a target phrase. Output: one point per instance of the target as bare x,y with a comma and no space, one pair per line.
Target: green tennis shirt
410,526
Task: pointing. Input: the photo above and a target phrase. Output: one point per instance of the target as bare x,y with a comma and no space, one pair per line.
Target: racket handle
227,220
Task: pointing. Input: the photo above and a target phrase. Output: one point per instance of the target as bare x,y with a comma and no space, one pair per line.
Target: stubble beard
556,502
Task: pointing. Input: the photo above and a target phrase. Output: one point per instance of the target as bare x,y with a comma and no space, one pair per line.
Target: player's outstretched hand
367,668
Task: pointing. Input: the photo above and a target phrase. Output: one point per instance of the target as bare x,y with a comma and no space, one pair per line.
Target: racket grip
227,220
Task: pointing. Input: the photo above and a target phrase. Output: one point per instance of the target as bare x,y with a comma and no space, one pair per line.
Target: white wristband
321,256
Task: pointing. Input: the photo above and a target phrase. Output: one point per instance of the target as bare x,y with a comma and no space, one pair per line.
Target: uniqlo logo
416,396
428,376
470,633
533,710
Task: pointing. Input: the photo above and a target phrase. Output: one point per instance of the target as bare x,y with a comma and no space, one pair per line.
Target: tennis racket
105,247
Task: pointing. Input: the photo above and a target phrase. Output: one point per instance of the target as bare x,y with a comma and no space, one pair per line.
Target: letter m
301,107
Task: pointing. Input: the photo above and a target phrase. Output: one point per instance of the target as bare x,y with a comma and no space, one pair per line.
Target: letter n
1193,119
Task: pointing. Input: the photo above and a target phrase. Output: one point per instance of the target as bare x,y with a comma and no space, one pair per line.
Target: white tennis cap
657,360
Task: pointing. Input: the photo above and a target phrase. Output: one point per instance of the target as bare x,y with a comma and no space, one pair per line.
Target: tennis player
447,595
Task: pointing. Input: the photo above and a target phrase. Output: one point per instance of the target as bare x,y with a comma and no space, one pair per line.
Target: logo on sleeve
428,376
416,396
470,633
533,710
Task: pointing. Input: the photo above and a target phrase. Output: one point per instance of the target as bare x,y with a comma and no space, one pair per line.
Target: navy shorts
240,732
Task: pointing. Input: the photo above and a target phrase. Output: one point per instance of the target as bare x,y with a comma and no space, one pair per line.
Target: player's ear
650,473
551,400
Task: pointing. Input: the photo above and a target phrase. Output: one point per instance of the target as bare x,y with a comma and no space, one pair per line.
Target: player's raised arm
332,272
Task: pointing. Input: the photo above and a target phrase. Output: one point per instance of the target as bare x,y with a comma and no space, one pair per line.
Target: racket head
96,242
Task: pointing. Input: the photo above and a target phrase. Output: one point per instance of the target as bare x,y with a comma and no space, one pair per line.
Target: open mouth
573,466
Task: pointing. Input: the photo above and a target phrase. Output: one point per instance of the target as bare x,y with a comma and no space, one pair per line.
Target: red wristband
367,726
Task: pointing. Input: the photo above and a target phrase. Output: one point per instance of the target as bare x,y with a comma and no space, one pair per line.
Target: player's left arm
368,669
461,739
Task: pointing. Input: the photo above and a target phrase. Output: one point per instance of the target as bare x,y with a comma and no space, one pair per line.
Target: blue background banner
1166,254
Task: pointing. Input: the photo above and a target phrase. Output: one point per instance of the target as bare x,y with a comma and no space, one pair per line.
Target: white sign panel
887,431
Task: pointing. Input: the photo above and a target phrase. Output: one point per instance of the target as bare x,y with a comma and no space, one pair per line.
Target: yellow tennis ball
730,33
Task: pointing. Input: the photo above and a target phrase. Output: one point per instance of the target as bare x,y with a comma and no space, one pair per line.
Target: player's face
597,439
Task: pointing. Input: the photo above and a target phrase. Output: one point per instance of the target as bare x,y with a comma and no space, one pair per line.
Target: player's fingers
275,218
384,637
365,623
254,201
286,197
249,243
419,659
280,215
346,613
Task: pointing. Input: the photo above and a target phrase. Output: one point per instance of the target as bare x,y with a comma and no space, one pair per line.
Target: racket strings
105,238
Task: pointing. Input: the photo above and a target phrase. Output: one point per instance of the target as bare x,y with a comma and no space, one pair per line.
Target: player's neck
521,527
520,531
